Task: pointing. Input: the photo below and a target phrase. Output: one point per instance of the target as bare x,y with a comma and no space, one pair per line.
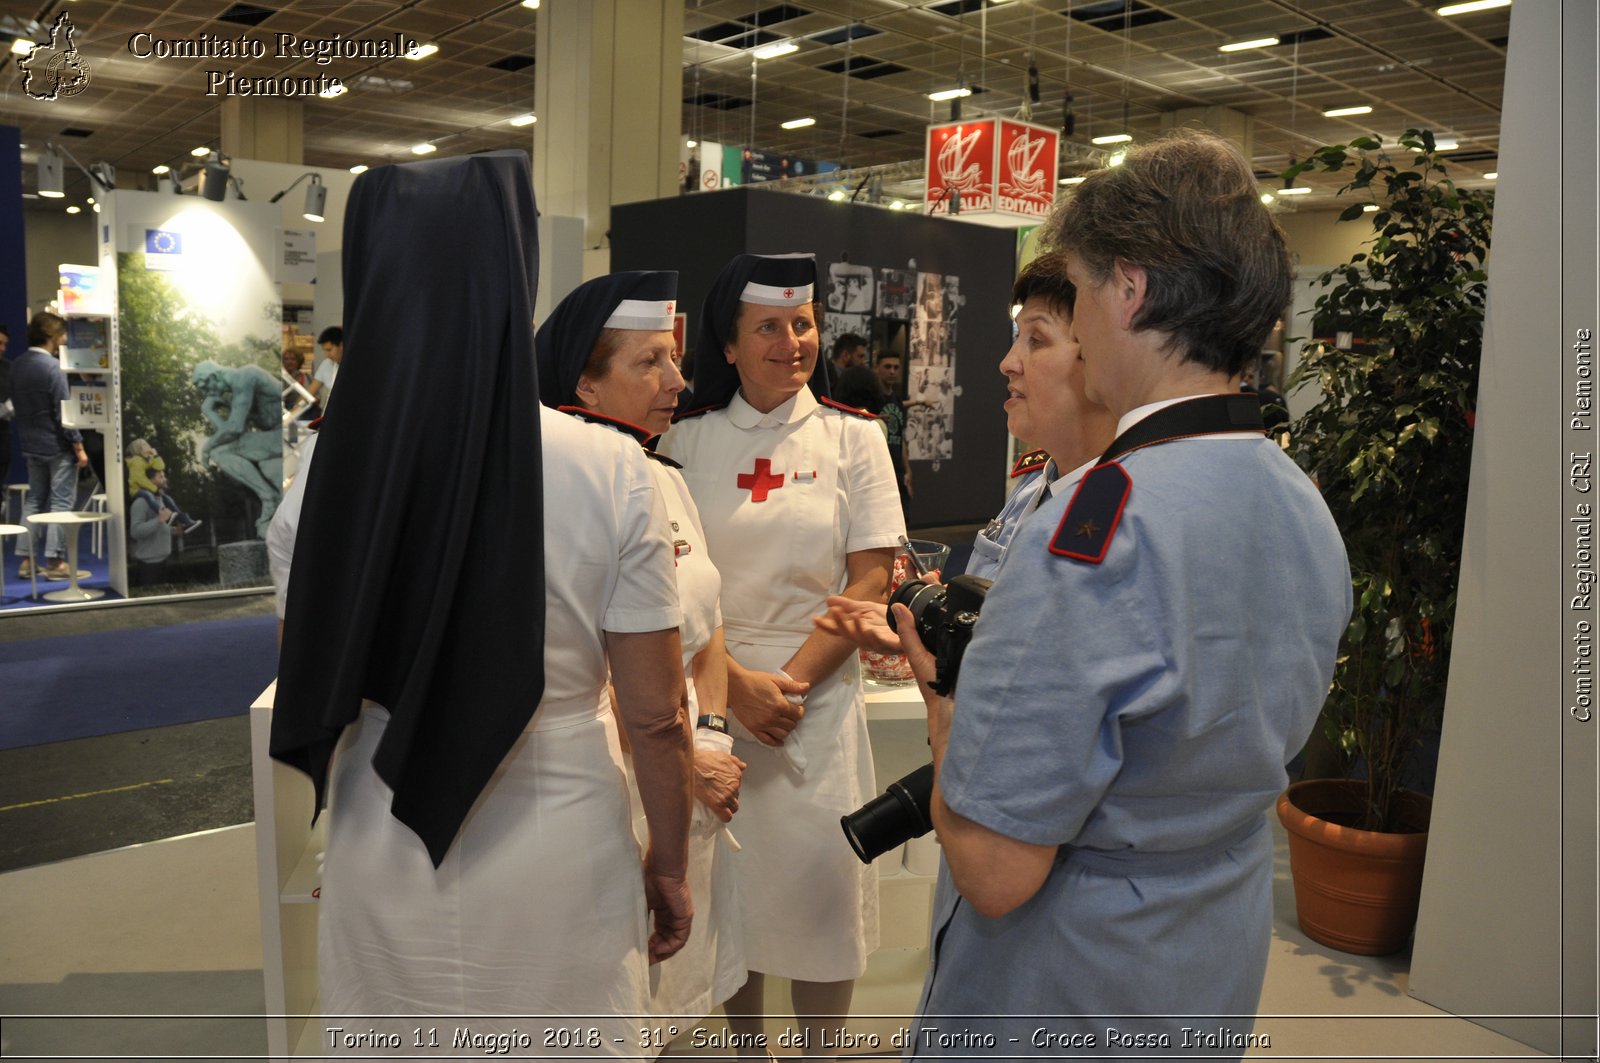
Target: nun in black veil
466,563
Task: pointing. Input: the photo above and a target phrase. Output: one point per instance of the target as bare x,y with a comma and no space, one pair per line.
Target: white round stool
33,572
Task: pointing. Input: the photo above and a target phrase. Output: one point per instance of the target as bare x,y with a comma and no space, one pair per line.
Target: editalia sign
1002,168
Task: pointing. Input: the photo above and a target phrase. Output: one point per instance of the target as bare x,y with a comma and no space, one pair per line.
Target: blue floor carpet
56,689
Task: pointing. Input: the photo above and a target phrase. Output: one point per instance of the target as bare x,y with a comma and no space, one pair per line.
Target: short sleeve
645,597
875,518
1036,738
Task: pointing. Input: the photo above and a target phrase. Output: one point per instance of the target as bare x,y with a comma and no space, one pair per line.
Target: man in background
849,352
331,341
53,453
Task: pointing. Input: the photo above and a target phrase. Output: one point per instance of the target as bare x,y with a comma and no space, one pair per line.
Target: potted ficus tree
1389,442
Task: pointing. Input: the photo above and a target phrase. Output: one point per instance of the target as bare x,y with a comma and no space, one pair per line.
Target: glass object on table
892,668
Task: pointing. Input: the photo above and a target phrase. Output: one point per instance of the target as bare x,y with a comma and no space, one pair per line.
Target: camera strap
1092,516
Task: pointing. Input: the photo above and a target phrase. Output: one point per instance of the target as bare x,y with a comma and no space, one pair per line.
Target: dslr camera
944,616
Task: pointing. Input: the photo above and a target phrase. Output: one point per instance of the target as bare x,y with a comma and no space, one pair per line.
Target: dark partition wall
938,289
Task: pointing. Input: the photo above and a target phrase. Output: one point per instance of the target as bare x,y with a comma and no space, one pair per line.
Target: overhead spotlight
523,119
1268,198
424,148
51,184
1446,144
1072,180
159,170
1297,191
532,5
898,204
214,179
201,152
1346,112
1118,159
1111,138
422,51
1492,175
836,196
799,123
74,209
691,143
949,94
359,167
22,46
1369,208
334,90
316,196
1244,46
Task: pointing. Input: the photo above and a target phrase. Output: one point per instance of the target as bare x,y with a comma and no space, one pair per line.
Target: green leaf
1351,213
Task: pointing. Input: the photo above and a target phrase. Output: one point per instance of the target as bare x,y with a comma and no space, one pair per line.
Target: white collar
797,407
1053,482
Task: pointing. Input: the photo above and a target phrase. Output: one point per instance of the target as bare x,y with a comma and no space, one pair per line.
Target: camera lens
900,813
917,596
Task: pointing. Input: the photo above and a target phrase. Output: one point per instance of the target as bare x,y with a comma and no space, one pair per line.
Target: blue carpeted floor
56,689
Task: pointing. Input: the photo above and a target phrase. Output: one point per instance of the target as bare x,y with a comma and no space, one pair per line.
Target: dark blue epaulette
684,415
1029,462
650,451
858,411
636,431
1092,516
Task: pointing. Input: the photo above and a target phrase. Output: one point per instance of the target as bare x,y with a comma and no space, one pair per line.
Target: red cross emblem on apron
762,480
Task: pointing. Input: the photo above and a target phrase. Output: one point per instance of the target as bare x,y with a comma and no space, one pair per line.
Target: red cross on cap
788,293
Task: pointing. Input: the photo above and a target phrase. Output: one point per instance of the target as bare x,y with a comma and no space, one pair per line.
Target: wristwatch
713,722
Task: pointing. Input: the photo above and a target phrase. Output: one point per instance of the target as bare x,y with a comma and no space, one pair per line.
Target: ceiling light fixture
1346,112
523,119
799,123
1492,175
691,143
1370,208
949,94
422,51
1112,138
1446,144
159,170
51,185
1244,46
74,209
201,152
424,148
836,196
1300,191
772,51
22,46
1268,198
1118,159
1473,5
1072,180
531,5
359,167
51,182
334,91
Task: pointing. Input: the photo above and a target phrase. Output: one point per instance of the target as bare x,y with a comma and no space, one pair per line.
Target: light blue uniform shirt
1138,713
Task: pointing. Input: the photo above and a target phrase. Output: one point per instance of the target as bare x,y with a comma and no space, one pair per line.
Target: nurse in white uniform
799,502
607,355
467,565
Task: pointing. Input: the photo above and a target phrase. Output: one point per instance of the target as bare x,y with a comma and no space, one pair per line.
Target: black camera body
944,616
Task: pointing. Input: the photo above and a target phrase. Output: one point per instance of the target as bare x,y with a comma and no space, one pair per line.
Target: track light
51,185
51,182
316,196
214,178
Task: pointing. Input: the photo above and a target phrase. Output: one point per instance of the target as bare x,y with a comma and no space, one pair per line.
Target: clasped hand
760,701
717,776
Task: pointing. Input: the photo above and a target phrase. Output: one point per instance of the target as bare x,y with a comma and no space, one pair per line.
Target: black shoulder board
850,409
662,458
684,415
1033,459
627,427
1092,516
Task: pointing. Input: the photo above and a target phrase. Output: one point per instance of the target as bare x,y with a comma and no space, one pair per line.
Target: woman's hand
864,623
671,909
717,776
760,701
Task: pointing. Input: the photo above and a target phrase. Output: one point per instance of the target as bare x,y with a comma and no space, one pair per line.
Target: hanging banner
1002,169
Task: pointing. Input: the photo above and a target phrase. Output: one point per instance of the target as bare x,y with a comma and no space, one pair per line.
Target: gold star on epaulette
1088,530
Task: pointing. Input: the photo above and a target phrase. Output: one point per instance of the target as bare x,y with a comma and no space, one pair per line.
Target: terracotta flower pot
1354,890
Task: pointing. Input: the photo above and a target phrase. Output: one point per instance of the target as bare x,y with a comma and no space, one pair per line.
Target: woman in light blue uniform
1154,650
